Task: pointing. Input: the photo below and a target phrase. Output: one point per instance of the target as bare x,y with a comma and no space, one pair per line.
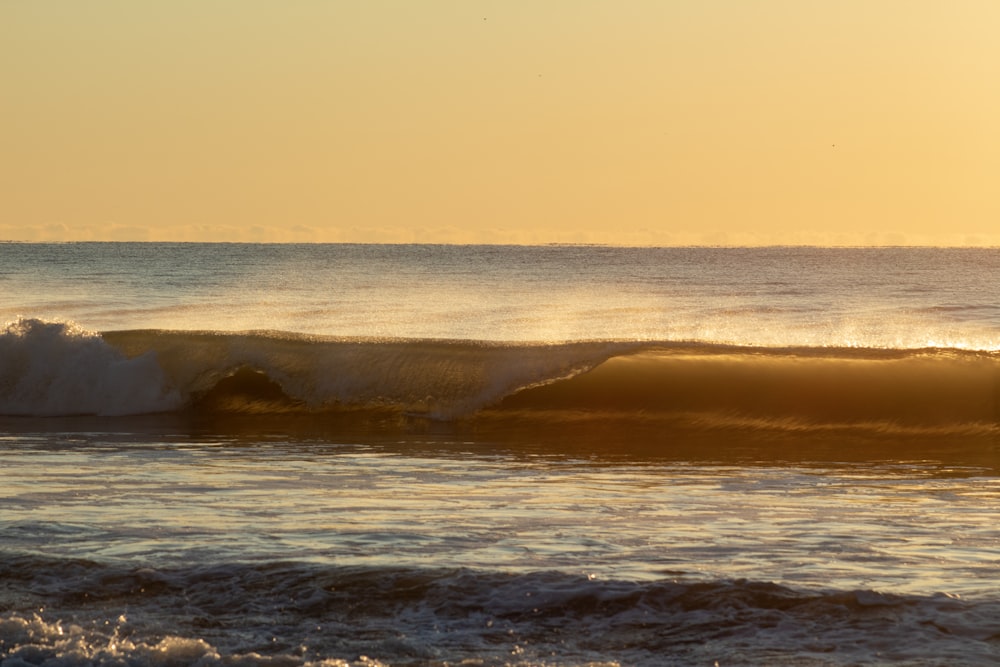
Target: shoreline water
162,547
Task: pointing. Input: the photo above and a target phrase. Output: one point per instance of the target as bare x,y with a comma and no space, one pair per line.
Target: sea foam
59,368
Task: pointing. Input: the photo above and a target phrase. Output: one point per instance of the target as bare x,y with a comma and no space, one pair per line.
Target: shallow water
443,550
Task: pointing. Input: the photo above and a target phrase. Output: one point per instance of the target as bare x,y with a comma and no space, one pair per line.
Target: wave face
919,389
51,368
240,372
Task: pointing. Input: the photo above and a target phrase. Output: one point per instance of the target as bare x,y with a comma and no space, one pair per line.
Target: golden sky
629,122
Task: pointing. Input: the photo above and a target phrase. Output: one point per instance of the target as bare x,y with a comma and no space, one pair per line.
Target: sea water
443,455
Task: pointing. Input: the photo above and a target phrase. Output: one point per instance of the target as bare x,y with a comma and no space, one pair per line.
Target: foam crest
59,368
29,641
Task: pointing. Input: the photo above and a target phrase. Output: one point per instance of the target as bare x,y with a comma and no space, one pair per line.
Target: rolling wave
229,613
57,368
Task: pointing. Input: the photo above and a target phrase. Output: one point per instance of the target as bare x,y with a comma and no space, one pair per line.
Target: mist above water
864,297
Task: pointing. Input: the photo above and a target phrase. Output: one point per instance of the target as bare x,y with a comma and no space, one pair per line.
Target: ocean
333,455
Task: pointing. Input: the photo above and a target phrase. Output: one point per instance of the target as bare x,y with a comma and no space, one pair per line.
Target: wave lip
59,368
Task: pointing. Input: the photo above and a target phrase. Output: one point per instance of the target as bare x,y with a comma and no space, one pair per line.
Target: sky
633,122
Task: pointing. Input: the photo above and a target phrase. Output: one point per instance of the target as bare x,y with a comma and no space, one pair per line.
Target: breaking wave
57,368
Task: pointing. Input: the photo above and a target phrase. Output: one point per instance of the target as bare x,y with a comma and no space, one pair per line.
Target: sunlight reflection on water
901,527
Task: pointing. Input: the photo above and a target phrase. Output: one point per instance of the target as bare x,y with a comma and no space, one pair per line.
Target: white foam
34,642
58,368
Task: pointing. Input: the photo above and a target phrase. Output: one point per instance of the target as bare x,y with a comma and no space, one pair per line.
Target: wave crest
58,368
436,378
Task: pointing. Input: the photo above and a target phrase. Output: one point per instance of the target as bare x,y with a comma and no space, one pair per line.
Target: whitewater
560,455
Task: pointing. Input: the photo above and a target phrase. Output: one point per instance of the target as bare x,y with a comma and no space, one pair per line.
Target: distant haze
718,122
